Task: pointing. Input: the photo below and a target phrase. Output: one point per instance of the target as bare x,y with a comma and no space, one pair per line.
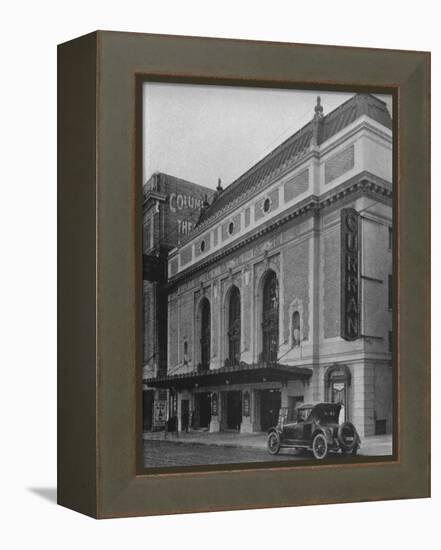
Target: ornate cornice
275,176
363,183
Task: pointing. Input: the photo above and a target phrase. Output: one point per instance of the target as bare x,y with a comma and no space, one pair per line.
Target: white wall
30,31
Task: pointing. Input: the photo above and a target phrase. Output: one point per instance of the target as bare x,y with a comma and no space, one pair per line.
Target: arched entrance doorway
337,381
270,318
234,327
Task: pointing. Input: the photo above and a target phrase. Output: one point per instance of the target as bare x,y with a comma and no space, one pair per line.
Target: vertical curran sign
350,274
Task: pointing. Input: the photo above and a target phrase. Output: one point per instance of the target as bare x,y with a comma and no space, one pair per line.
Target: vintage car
316,428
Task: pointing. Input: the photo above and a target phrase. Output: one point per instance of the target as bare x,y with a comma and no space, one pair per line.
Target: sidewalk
372,445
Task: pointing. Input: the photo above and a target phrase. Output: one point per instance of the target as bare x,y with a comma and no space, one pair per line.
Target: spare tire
347,437
273,443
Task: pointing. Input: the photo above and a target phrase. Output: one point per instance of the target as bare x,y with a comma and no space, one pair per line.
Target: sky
201,132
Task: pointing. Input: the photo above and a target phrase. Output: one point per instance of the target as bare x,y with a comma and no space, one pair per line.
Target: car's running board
295,446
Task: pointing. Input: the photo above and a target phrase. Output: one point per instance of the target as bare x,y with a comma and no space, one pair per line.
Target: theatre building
171,208
282,292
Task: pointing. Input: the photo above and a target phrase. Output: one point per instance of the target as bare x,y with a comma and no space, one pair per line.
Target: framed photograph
268,300
244,274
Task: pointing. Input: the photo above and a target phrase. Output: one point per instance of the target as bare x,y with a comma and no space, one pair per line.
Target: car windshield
302,414
326,413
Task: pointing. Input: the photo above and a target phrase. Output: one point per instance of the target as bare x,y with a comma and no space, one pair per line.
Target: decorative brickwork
339,164
331,283
274,198
296,186
247,216
186,255
258,211
296,285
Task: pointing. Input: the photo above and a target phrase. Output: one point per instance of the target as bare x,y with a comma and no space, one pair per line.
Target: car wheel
319,446
273,443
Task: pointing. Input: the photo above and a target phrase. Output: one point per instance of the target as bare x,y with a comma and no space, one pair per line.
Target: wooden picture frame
100,264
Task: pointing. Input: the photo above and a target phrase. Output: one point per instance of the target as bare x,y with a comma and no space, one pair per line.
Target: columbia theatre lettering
350,274
181,206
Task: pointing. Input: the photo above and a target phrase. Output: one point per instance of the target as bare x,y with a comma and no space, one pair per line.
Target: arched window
205,333
234,327
185,352
295,329
270,318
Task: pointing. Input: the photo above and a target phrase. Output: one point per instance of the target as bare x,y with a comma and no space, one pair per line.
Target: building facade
171,208
282,292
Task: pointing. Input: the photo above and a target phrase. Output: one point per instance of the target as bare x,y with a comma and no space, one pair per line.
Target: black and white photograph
220,236
267,275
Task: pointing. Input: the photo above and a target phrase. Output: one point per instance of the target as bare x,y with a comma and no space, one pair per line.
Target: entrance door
338,395
202,410
269,408
185,415
233,406
337,380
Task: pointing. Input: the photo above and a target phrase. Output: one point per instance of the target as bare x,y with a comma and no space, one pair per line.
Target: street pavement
171,453
162,449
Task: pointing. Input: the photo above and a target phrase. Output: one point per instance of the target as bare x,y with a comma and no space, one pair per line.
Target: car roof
313,404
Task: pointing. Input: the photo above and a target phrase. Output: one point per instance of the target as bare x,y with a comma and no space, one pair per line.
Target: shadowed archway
270,318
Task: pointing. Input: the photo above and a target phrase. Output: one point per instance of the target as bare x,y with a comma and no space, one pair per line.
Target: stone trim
362,183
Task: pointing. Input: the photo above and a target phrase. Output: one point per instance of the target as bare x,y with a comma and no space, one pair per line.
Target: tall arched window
205,333
234,327
295,329
270,318
185,352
